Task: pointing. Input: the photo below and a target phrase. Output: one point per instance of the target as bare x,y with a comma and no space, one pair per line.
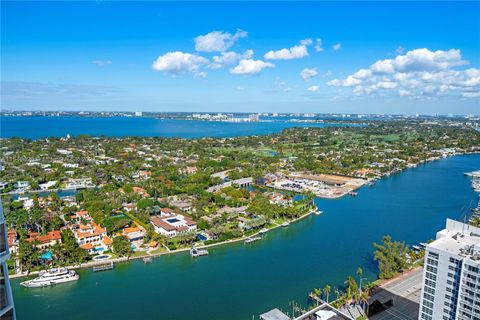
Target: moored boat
263,230
285,224
51,277
194,252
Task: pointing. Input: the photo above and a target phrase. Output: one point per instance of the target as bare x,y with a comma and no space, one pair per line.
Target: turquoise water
41,127
238,281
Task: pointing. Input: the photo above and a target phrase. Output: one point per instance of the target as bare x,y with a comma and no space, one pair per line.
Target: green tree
28,255
121,246
326,292
391,257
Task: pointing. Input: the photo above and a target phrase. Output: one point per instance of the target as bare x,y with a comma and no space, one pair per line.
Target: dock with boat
147,259
195,253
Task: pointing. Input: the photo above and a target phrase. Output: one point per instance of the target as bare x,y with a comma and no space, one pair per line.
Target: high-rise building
7,311
451,276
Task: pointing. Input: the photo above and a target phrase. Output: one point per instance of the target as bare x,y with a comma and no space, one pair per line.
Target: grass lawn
159,250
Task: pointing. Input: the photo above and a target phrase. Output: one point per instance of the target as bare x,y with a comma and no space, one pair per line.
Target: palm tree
326,291
360,274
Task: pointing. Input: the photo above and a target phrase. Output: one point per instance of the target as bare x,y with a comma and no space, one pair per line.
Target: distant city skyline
308,57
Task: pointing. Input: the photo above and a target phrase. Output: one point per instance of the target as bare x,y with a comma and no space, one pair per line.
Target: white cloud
295,52
306,42
179,62
217,41
420,60
362,74
348,82
229,58
313,88
383,66
404,93
318,45
308,74
240,88
337,46
471,94
102,63
387,85
419,73
250,66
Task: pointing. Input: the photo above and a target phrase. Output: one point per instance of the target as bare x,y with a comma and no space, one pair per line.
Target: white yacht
51,277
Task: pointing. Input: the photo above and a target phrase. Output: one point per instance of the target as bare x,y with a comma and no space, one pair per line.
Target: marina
314,240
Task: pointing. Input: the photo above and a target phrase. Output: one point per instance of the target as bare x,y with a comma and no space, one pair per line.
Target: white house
173,224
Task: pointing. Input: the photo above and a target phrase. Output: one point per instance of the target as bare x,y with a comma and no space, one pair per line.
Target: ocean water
239,281
42,127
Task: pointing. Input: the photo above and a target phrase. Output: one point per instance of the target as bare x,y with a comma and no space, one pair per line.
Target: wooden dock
103,267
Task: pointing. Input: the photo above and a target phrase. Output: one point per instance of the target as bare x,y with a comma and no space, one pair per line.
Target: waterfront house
92,238
89,235
13,242
134,233
47,185
22,185
80,183
47,240
173,225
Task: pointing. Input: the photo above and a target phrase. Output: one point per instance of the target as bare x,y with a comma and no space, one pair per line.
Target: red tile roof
54,235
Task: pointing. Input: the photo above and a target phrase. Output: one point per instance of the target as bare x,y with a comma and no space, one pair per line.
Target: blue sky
355,57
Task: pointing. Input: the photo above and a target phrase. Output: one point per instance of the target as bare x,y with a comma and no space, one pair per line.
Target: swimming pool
201,237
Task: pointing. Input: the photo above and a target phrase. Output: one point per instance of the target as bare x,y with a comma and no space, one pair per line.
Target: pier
253,239
103,267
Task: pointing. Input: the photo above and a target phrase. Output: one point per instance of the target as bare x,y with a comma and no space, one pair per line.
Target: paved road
405,293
